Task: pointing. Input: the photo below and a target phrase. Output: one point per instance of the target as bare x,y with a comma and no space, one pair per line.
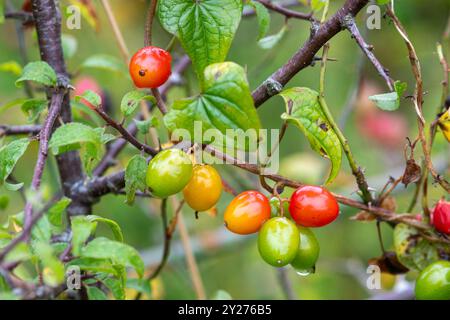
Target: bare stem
44,137
350,24
117,33
418,100
356,170
125,134
149,22
190,258
287,12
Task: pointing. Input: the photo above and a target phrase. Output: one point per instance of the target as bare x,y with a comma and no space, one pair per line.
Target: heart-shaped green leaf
205,27
226,103
304,111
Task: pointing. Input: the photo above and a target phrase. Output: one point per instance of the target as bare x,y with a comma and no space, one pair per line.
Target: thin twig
6,130
27,229
356,170
117,34
149,22
125,134
44,137
287,12
166,250
350,24
418,99
285,284
305,55
190,258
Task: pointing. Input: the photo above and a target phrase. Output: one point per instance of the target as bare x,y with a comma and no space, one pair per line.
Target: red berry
313,206
440,217
150,67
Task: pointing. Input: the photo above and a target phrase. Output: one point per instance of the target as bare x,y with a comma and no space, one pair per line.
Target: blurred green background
227,261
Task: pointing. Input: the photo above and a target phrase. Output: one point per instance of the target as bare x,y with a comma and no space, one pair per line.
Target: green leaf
38,71
4,201
135,177
390,101
118,252
271,41
104,62
82,228
42,231
304,111
69,44
226,103
382,2
145,125
116,287
140,285
263,16
94,265
205,27
9,155
74,136
20,252
53,270
114,226
95,293
33,108
131,100
11,66
318,5
400,88
386,101
13,186
412,250
56,211
91,97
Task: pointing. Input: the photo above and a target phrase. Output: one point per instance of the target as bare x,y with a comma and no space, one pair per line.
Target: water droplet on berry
304,273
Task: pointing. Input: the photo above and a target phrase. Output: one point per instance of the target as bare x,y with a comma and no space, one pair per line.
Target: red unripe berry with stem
313,206
150,67
440,217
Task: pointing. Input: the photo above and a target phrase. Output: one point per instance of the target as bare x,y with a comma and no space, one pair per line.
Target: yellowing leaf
304,111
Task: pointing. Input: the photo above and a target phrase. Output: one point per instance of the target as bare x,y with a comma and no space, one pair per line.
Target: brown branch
44,137
149,23
23,16
305,55
350,24
287,12
6,130
125,134
47,19
23,236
